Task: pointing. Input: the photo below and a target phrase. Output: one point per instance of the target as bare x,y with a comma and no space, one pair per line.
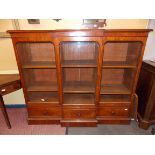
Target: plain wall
7,58
150,46
46,24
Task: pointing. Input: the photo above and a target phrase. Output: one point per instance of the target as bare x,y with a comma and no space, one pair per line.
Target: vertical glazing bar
58,67
99,71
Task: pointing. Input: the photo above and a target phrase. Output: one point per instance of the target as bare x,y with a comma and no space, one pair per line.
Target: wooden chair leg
2,106
135,107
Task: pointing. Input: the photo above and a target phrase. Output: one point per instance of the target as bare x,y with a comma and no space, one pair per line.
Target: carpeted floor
20,127
131,129
19,124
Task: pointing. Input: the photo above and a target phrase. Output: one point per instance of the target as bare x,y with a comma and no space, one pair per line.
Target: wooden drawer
79,113
113,111
9,88
44,112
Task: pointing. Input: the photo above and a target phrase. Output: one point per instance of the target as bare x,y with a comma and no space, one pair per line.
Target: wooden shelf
78,63
114,89
115,99
79,87
43,97
43,87
40,100
39,65
76,99
117,64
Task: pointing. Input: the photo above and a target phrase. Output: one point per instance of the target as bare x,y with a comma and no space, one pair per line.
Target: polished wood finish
8,83
79,77
146,94
44,110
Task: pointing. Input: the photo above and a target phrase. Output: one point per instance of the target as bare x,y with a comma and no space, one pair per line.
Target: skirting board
15,105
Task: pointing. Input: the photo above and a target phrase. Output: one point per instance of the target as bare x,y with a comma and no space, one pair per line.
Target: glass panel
41,79
117,81
79,54
79,98
36,54
79,80
79,62
121,53
43,97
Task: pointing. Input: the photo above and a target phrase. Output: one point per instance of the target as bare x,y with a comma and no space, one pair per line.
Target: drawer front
44,112
79,113
10,88
113,111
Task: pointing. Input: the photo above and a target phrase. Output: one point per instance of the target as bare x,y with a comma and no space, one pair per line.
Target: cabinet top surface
81,32
84,30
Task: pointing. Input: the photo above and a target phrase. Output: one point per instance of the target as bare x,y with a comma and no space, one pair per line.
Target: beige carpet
20,127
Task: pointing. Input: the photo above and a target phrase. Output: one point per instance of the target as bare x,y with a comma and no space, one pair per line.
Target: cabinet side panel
143,90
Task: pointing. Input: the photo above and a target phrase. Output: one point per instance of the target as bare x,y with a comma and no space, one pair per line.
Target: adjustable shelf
41,86
117,81
78,64
117,98
41,79
114,89
78,87
39,65
79,99
43,97
79,80
118,64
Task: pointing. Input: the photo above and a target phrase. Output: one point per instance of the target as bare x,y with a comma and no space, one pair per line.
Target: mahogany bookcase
79,77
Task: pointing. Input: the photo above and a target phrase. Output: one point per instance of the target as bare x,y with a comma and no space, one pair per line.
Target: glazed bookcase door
79,71
38,65
119,67
36,55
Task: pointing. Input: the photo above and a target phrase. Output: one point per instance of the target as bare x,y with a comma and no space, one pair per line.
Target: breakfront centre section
79,77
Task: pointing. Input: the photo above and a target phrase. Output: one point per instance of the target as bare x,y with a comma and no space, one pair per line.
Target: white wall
150,46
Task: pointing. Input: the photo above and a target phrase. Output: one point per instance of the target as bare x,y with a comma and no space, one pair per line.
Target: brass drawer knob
78,114
45,112
3,90
113,113
42,99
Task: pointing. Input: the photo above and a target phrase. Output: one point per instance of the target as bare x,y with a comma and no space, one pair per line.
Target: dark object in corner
57,20
33,21
94,23
146,94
